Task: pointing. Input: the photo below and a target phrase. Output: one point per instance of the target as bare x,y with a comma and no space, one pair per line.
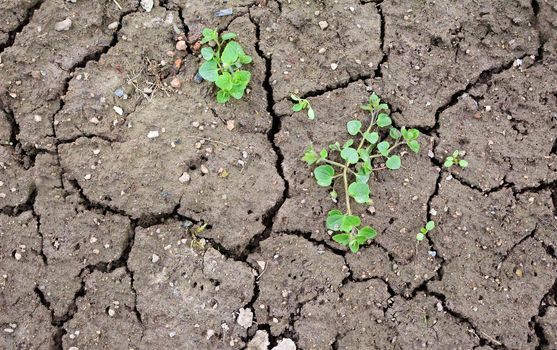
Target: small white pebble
155,258
323,25
153,134
118,110
334,66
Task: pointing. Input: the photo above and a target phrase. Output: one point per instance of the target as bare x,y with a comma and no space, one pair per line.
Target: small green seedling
455,159
301,104
424,230
358,156
224,59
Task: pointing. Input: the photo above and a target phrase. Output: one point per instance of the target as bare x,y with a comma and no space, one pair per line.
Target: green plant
376,143
224,59
455,159
424,230
302,103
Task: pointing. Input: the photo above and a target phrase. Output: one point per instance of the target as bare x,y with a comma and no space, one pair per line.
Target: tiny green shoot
424,230
354,162
455,159
301,104
224,59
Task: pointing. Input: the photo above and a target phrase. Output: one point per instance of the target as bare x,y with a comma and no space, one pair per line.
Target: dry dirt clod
245,318
175,83
181,45
63,26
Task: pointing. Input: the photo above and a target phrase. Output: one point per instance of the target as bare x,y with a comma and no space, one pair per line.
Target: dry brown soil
99,239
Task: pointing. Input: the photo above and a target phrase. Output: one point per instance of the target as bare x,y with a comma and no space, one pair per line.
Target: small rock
245,318
37,118
63,26
518,272
119,92
184,178
181,45
230,124
198,78
118,110
285,344
155,258
147,5
439,307
111,312
334,66
371,210
175,83
153,134
113,25
204,169
260,341
87,177
224,12
323,25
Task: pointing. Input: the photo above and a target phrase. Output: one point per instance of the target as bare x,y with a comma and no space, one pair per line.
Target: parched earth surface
210,233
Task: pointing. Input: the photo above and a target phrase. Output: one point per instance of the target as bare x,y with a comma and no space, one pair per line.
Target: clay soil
100,238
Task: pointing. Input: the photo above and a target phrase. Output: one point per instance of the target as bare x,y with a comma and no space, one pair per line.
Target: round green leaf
223,96
324,175
350,155
342,238
349,222
334,220
367,232
420,236
430,225
353,127
393,163
360,192
383,120
414,146
371,137
207,53
463,163
224,81
448,162
209,71
228,36
297,107
394,133
383,148
230,53
354,245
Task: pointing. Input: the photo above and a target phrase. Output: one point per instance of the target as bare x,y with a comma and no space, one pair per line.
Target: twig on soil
117,4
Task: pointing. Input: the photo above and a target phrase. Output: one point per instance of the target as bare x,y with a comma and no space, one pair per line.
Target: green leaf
334,194
354,246
237,91
374,100
394,133
463,163
448,162
349,222
311,114
230,53
297,107
224,81
323,154
209,71
360,192
414,146
383,106
430,225
383,148
455,154
310,156
208,35
241,77
223,96
383,120
228,36
367,232
334,220
207,53
348,143
393,163
364,155
342,238
423,230
404,133
413,134
324,175
420,237
353,127
334,146
294,98
371,137
350,155
245,59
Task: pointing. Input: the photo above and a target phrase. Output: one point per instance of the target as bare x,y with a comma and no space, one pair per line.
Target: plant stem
347,197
